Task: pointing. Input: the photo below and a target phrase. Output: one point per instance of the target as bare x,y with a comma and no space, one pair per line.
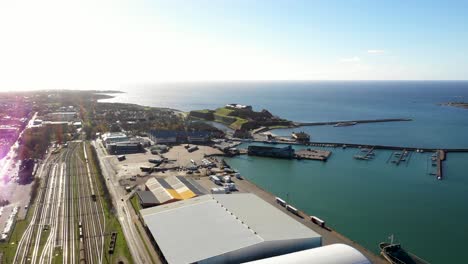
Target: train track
67,216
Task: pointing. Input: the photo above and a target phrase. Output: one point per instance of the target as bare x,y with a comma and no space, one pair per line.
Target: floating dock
369,154
313,154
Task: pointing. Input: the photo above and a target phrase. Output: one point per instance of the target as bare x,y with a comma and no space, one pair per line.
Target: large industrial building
223,228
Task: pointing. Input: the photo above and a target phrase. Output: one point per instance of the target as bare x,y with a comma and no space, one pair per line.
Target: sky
101,44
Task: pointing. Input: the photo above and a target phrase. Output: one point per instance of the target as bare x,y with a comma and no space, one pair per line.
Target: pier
367,156
440,159
402,157
332,123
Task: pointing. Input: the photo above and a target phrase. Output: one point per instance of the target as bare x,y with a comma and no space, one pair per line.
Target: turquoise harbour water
369,200
364,200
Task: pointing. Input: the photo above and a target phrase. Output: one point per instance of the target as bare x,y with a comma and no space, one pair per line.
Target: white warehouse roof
226,228
331,254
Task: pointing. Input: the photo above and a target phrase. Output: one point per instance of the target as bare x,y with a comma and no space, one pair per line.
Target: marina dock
402,157
369,154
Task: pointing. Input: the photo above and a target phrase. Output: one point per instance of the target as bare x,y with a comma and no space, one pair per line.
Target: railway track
67,213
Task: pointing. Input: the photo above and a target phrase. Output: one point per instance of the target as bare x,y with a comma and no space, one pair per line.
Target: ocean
365,200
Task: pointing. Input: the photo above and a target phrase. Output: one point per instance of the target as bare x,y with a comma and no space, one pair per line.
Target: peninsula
241,117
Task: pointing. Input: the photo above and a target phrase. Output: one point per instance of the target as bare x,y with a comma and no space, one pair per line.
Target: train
82,253
80,230
93,194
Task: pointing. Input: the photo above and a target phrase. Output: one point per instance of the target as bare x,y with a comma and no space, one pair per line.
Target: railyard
69,220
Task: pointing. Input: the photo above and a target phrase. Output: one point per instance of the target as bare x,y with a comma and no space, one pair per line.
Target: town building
62,116
198,137
124,147
239,106
223,228
114,137
63,125
172,137
164,136
301,136
9,132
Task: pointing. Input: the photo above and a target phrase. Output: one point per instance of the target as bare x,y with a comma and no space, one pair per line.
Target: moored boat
395,254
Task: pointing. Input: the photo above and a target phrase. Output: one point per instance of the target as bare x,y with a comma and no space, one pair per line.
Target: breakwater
356,145
328,123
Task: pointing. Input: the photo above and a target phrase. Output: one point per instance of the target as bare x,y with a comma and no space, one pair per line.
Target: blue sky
55,43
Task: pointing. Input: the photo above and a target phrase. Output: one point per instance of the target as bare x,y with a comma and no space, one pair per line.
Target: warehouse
146,199
223,228
169,189
124,147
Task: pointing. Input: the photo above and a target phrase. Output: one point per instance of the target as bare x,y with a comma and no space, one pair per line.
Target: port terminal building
225,228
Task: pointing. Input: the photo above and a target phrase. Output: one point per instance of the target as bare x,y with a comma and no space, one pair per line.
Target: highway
66,203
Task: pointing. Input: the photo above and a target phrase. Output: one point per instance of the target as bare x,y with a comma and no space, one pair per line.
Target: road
6,161
135,243
65,202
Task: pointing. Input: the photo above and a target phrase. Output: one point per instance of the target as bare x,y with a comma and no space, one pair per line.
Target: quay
313,154
332,123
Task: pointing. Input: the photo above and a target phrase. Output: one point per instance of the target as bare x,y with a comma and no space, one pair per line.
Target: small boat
395,254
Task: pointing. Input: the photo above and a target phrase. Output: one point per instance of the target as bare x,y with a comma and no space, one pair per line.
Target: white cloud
351,59
376,51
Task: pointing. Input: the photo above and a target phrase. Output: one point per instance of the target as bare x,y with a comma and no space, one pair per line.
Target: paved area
183,158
